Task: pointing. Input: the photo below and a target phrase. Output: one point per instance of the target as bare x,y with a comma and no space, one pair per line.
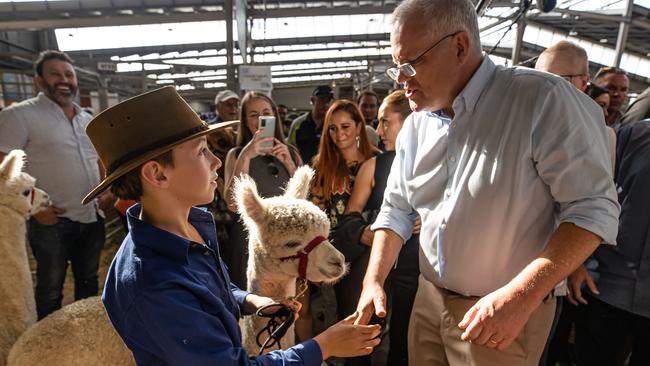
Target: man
368,103
639,109
568,61
492,160
283,110
226,106
51,130
616,82
306,130
615,315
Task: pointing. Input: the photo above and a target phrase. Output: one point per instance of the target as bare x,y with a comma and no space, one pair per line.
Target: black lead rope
277,326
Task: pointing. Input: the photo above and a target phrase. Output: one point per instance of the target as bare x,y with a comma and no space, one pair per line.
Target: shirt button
447,193
443,226
452,158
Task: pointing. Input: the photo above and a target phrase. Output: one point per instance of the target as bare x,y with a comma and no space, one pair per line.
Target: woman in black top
271,169
368,195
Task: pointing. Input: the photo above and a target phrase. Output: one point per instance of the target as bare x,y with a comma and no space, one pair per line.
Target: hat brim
134,163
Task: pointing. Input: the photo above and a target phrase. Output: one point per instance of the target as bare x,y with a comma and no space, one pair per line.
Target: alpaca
18,200
77,334
280,230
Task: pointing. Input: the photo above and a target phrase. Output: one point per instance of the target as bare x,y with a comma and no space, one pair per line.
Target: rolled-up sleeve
572,156
396,213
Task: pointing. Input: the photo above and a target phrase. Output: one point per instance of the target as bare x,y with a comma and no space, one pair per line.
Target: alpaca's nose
336,263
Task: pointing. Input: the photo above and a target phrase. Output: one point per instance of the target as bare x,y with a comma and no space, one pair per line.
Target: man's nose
401,78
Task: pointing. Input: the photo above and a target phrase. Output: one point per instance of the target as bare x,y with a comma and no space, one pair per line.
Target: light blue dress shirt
59,153
524,152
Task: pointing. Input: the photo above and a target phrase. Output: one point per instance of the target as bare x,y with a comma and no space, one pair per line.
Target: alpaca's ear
12,164
298,185
249,203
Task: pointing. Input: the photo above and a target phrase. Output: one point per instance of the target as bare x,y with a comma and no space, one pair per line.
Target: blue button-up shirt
523,152
172,302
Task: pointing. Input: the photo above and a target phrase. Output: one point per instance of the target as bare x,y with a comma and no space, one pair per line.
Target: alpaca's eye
27,192
293,244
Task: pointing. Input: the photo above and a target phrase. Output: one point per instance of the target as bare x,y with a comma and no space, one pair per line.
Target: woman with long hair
367,196
344,146
270,168
601,97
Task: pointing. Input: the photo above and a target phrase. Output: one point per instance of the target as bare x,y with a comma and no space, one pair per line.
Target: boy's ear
152,173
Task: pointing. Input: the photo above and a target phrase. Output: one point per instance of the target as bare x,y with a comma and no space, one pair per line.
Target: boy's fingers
349,319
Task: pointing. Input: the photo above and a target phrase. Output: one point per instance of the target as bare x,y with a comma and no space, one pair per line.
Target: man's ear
40,82
461,45
154,174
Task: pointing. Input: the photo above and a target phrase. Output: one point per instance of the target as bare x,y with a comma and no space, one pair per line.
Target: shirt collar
162,241
44,99
473,89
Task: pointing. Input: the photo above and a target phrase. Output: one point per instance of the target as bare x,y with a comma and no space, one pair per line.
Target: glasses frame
407,69
569,78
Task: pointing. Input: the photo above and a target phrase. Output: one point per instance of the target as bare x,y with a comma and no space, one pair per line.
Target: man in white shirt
492,160
51,129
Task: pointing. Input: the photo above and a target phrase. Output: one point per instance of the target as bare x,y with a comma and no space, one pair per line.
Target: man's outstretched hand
372,300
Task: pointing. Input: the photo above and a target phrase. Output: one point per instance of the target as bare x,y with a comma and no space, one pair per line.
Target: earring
358,141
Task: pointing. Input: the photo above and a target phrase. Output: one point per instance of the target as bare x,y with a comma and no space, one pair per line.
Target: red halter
302,255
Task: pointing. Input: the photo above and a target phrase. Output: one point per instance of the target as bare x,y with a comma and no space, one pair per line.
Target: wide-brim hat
141,128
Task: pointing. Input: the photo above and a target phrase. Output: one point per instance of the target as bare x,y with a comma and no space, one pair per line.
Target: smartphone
267,124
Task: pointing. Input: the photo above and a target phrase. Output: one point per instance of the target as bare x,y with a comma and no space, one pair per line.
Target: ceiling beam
102,21
146,50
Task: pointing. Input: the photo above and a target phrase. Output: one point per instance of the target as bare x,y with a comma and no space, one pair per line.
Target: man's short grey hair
441,16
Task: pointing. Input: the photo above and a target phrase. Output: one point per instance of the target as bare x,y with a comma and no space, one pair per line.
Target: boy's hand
254,302
345,339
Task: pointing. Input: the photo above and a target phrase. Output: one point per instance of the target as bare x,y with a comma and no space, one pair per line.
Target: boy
167,293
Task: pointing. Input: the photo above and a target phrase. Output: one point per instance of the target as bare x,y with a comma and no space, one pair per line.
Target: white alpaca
77,334
18,200
279,228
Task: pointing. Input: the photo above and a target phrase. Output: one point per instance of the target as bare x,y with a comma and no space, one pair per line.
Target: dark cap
323,91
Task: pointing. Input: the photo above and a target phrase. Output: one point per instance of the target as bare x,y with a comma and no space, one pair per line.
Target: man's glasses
569,78
407,69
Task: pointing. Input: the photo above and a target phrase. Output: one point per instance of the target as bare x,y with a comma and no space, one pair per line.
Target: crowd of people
488,215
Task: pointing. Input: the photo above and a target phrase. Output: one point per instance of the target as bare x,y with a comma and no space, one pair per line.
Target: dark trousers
606,335
53,246
403,287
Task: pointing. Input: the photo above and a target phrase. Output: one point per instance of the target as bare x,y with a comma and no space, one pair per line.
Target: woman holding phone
260,152
344,146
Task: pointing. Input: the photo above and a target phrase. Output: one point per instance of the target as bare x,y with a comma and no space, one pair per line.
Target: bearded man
51,129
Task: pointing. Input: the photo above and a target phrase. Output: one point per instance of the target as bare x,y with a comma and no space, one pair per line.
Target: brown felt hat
141,128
